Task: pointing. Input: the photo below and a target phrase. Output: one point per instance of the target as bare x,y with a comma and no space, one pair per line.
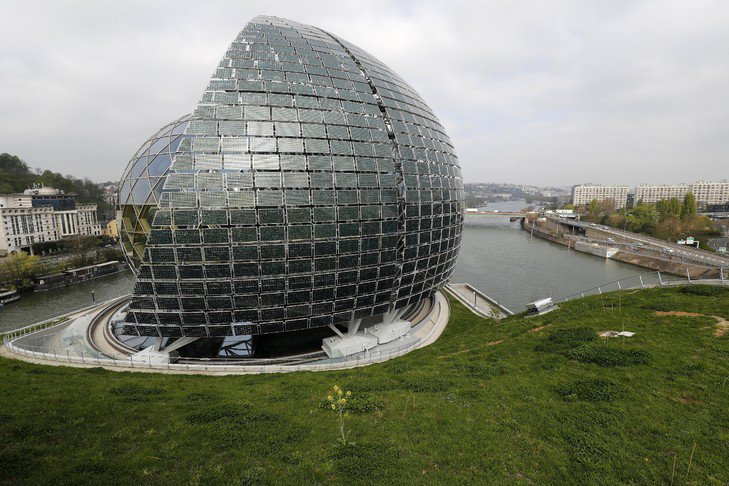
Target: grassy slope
461,410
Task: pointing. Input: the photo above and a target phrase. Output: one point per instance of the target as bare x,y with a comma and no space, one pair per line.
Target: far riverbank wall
646,261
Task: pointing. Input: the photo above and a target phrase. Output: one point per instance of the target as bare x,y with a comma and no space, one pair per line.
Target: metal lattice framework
311,186
141,186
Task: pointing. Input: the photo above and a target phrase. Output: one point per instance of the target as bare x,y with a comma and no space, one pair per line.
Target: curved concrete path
422,334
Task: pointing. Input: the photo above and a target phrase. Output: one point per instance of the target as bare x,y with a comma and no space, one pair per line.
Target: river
38,306
497,257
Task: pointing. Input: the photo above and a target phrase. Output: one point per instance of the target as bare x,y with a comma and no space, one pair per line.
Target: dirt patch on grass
537,329
468,350
722,325
687,401
677,313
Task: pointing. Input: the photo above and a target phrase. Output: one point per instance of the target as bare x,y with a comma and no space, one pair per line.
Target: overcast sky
534,92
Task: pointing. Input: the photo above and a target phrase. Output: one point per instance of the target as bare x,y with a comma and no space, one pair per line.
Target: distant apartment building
586,193
710,193
43,215
652,193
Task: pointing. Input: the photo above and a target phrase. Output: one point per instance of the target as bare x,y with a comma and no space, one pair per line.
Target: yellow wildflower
349,393
339,392
336,388
342,401
334,407
330,398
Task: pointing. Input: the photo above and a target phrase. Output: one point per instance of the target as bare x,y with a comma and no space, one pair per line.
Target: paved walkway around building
423,333
478,302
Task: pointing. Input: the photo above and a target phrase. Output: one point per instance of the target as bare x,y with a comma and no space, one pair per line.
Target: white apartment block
42,215
21,227
586,193
652,193
708,193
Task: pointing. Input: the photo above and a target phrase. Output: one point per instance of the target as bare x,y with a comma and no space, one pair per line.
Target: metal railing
13,341
54,321
200,364
707,260
643,280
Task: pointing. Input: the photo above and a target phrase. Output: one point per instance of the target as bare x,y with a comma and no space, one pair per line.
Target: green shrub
373,384
704,290
420,384
254,476
362,463
365,404
399,366
690,369
595,390
135,392
358,403
17,461
206,396
219,411
479,370
261,432
565,339
662,306
585,448
607,356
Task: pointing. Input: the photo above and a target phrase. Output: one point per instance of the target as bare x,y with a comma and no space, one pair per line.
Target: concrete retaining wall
595,249
641,260
666,266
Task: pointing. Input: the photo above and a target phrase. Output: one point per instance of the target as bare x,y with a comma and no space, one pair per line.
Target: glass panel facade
311,185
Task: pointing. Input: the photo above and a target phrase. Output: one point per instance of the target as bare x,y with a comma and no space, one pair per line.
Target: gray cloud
537,92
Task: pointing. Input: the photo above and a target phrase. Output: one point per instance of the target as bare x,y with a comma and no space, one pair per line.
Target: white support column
353,326
336,330
159,355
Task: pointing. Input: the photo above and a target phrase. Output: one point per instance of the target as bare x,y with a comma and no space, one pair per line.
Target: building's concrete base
43,346
348,344
386,332
152,356
158,355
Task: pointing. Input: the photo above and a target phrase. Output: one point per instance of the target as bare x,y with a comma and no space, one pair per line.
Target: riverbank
34,307
535,399
614,251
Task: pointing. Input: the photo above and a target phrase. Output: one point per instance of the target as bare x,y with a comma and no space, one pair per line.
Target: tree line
16,176
668,219
20,269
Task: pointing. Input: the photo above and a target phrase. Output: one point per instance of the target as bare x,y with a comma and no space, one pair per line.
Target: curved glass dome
141,186
312,186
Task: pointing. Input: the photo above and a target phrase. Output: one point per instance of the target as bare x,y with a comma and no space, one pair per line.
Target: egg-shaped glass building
311,186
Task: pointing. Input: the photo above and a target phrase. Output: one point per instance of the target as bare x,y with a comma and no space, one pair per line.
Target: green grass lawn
523,401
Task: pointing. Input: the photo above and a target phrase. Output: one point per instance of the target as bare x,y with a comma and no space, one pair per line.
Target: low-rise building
110,230
41,215
586,193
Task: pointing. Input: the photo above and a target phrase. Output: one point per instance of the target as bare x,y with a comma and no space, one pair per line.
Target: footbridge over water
496,213
512,215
